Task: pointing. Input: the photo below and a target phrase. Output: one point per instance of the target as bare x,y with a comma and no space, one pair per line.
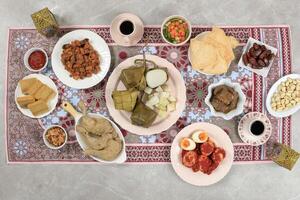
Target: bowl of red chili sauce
36,59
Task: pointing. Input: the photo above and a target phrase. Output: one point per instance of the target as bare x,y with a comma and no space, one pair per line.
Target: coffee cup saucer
131,39
245,133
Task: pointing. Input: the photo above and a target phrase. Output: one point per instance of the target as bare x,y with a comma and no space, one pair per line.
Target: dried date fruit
258,56
245,59
253,61
261,63
256,46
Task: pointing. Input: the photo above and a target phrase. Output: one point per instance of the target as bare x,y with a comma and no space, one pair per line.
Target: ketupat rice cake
125,100
38,107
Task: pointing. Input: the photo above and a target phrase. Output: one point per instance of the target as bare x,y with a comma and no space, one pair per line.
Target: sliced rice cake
23,101
38,107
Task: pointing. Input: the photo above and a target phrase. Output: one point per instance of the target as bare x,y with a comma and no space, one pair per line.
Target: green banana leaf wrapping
125,100
143,116
134,77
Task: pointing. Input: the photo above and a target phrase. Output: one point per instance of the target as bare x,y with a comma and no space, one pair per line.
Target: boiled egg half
187,144
199,136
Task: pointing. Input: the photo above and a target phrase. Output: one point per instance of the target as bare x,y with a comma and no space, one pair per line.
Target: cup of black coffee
257,127
126,27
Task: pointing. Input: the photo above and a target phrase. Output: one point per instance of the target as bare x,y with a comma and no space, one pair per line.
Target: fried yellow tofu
39,107
35,87
44,93
23,101
25,84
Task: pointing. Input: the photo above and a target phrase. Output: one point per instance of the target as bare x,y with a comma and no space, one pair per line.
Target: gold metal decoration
284,155
45,22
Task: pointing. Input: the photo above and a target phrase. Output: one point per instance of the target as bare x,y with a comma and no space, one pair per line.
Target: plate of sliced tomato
202,154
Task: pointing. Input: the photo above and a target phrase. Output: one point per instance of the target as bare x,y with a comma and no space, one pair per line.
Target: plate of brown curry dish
145,96
81,59
36,95
225,99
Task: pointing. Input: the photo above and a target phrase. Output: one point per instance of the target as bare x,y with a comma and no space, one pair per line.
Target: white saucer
244,129
134,37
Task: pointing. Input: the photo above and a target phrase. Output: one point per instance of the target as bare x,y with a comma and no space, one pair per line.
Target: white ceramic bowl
240,105
26,57
50,145
180,17
264,71
273,90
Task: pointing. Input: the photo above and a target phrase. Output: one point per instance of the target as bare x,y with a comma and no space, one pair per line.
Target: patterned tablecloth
24,135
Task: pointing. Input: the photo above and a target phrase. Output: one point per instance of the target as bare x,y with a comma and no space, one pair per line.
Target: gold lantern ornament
45,22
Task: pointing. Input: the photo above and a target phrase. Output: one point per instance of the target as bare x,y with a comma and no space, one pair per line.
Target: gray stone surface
39,182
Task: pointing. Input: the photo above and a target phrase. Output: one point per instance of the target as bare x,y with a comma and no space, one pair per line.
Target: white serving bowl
264,71
180,17
26,57
273,89
50,145
240,105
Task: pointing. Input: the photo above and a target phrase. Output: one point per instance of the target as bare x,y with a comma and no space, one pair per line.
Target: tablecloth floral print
24,135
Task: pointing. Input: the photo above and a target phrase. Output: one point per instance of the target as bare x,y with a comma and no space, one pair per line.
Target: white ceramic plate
189,56
264,71
271,93
52,103
240,104
99,45
221,139
175,84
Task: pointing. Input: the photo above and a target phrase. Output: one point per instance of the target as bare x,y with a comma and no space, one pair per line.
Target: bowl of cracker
211,52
